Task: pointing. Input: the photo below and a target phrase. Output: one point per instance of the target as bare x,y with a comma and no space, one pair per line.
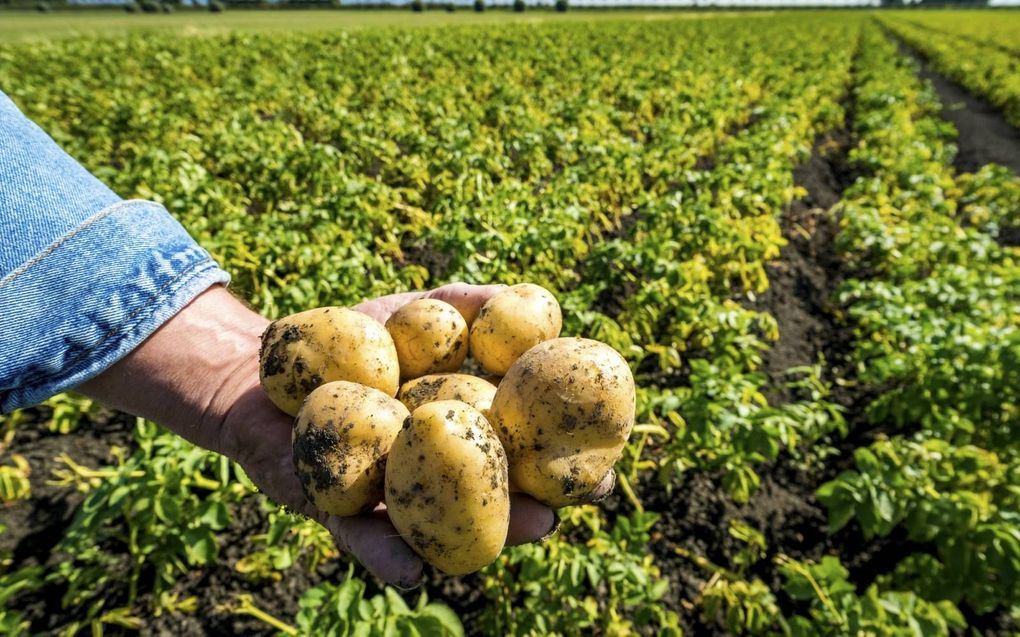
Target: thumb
467,298
373,541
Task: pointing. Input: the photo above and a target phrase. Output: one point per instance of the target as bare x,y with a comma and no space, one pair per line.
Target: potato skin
341,438
511,323
305,350
430,336
446,487
564,412
475,391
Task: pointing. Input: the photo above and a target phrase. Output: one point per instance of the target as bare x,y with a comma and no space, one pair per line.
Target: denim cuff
92,296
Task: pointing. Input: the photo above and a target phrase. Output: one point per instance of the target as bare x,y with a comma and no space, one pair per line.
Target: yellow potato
431,336
472,390
564,412
511,323
446,487
341,438
305,350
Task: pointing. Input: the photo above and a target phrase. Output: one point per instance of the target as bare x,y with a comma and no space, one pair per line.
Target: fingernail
552,531
609,491
406,587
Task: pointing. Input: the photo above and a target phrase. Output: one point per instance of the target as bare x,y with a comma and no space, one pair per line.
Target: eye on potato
472,390
446,487
564,412
430,336
341,438
305,350
511,323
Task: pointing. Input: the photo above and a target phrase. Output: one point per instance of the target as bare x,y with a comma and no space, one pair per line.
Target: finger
529,520
373,541
383,307
604,489
467,298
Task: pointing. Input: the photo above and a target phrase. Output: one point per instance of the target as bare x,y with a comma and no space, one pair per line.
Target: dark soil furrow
803,281
983,134
695,518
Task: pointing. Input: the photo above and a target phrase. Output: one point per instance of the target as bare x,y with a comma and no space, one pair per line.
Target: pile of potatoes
384,416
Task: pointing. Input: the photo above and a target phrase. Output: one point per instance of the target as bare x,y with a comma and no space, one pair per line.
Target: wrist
189,373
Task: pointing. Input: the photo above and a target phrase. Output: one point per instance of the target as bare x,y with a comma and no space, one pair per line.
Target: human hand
198,375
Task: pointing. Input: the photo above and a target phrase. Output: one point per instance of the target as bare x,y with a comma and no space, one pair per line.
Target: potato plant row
991,28
937,319
982,56
645,186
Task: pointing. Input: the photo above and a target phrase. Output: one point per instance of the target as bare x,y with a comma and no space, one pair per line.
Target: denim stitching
99,216
35,379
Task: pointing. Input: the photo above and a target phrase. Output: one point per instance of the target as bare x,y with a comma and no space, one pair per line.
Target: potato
341,438
305,350
564,412
431,336
472,390
511,323
446,487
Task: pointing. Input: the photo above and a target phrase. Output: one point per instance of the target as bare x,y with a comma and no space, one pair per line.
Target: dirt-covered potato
431,336
511,323
472,390
564,412
446,487
342,435
305,350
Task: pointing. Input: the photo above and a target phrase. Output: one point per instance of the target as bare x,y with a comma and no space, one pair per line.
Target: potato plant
645,186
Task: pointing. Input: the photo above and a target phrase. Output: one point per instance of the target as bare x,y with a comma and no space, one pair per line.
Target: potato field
800,229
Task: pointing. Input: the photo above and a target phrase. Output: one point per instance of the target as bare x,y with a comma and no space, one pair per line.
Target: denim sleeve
85,277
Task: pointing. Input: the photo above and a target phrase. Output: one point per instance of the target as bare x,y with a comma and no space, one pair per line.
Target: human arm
114,297
198,376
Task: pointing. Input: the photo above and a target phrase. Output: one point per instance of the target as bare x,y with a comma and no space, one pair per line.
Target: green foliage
963,499
14,484
151,517
291,539
835,608
644,184
935,316
977,53
608,581
12,584
343,609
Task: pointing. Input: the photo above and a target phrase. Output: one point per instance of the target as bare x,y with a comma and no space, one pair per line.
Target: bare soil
983,134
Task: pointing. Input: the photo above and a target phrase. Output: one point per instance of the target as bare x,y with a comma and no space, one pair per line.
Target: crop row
990,28
486,156
935,315
645,185
980,55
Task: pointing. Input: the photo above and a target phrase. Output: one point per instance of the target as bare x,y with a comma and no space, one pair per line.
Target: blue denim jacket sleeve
85,277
